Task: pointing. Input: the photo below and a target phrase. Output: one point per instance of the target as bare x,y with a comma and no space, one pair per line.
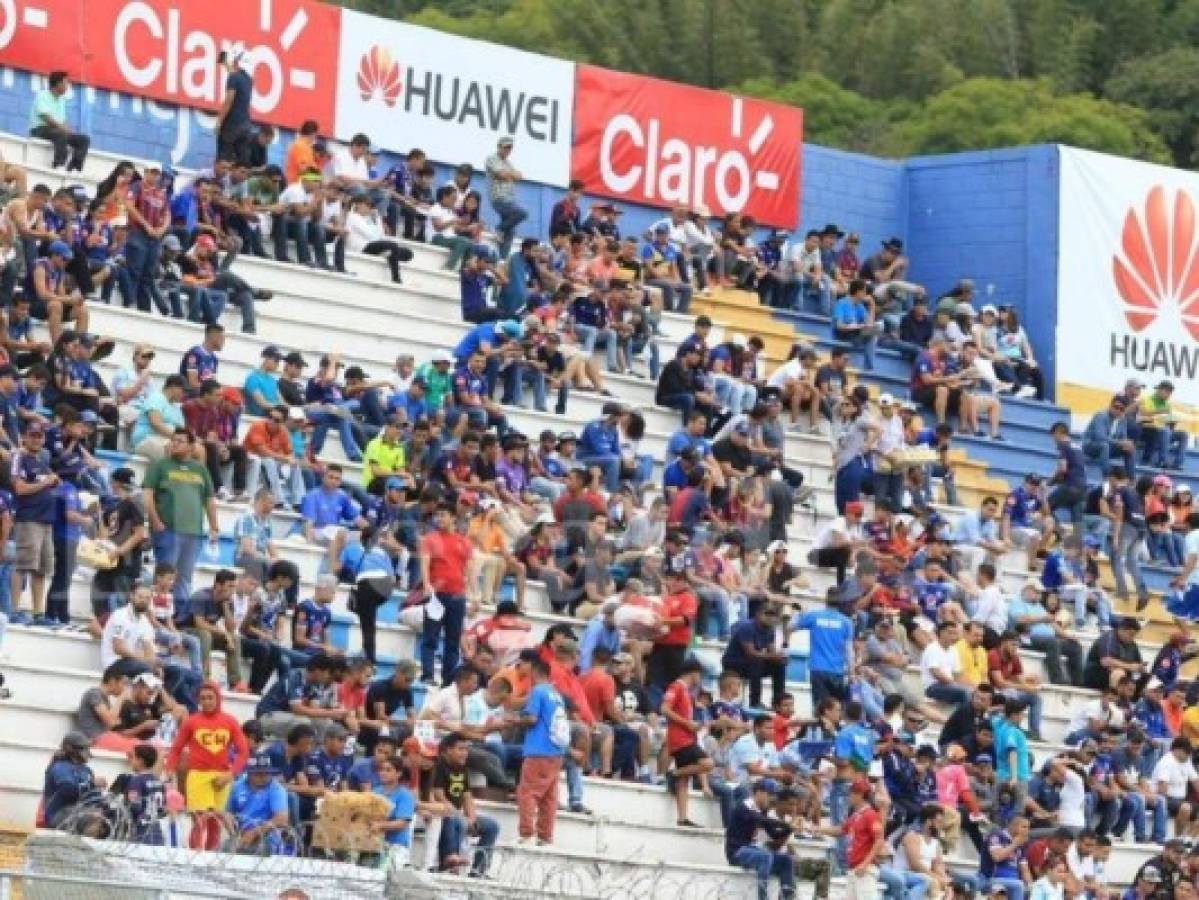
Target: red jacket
207,738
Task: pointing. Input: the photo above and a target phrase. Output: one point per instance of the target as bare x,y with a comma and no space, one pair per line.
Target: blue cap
1092,541
982,758
394,482
89,417
260,764
513,329
60,248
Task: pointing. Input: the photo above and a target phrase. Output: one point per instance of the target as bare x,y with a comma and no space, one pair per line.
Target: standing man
233,128
48,119
216,751
178,495
444,558
501,190
33,486
682,741
547,738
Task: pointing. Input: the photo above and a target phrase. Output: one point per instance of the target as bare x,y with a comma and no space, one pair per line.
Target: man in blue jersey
830,653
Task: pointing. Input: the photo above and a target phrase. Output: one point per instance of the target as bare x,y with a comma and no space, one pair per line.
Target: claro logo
1157,266
155,49
379,76
667,168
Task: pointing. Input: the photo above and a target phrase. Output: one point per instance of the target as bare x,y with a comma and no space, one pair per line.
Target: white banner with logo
406,86
1128,278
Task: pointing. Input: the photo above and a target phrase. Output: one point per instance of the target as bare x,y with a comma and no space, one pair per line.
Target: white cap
545,518
1153,685
886,400
776,546
443,356
149,679
989,308
489,503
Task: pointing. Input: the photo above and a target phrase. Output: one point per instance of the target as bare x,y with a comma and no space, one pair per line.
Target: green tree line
891,77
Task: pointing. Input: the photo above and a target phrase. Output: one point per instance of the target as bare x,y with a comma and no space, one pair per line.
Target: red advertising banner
168,50
657,142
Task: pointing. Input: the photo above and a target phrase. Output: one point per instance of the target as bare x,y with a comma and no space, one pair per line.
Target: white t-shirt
991,609
1080,866
1177,775
440,213
1191,545
792,369
126,626
1092,709
746,751
937,657
834,533
345,166
1072,812
295,195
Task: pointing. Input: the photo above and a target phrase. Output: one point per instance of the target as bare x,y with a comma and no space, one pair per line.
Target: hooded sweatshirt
208,738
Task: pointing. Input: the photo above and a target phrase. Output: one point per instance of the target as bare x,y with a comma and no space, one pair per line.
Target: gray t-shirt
876,649
850,441
85,717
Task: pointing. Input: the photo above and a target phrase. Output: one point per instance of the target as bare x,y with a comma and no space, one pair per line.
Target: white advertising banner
406,86
1128,278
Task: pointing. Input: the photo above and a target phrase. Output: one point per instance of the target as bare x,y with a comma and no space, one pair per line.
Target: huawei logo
1157,266
379,76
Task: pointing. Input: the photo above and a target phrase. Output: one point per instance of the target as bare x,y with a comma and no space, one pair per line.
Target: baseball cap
741,428
855,506
58,248
506,141
396,483
149,679
294,358
988,308
512,329
355,373
886,400
171,242
87,416
443,356
76,740
776,546
413,745
272,352
260,764
1130,622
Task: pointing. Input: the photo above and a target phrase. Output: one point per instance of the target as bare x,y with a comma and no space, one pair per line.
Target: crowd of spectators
676,571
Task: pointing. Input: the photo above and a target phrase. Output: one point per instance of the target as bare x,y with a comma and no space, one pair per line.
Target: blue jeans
189,642
655,360
574,780
684,403
866,341
902,885
511,214
728,793
1125,557
609,465
204,304
453,841
451,624
766,864
141,258
589,336
947,693
714,607
1101,452
849,481
517,376
820,290
1164,447
181,551
345,432
736,395
1136,809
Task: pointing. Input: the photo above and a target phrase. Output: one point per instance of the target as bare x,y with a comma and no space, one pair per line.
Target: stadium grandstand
491,484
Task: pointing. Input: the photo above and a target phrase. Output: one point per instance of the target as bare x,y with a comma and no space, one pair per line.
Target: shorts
35,547
327,534
688,756
201,794
38,310
1173,804
926,396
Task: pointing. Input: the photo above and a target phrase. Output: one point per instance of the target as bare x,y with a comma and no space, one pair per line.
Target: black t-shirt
776,579
452,780
631,698
390,696
826,375
291,391
740,458
121,520
133,714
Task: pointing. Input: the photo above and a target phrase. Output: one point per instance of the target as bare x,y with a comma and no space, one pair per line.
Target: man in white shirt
1073,794
1174,776
303,205
940,665
128,637
808,274
888,476
449,710
837,539
352,171
1095,717
754,756
990,606
793,380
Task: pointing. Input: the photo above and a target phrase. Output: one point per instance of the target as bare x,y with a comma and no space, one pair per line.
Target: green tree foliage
890,76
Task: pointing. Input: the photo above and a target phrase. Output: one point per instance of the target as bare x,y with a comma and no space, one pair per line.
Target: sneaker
526,842
581,809
20,618
43,622
1027,391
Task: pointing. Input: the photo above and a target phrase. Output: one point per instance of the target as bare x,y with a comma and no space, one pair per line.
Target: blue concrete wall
990,216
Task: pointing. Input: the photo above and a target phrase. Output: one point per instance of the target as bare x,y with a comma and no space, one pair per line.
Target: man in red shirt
444,558
583,725
866,843
681,740
599,687
679,607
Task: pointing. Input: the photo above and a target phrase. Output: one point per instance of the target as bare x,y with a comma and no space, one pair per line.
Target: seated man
301,221
48,120
1165,443
208,616
327,512
269,450
258,810
854,321
1106,436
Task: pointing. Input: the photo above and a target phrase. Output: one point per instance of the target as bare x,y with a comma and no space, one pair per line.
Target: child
176,826
786,725
953,790
397,828
171,641
144,795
